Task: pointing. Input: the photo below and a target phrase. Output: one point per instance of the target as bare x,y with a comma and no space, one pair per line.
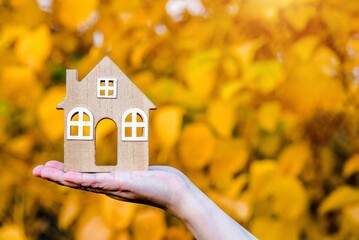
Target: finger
52,163
55,164
51,174
92,180
37,171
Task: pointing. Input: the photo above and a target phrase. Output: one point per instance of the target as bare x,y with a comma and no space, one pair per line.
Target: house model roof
85,89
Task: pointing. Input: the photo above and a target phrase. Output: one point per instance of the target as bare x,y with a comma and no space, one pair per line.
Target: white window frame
133,124
80,123
107,88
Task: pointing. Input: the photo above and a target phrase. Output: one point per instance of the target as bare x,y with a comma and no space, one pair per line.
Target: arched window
80,124
134,125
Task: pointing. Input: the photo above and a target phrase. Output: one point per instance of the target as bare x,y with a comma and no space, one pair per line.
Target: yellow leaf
9,34
200,73
230,67
228,90
87,63
326,61
237,185
266,228
178,233
301,91
264,76
199,178
13,232
165,90
269,144
149,224
17,3
328,165
304,48
3,124
144,80
330,16
287,198
246,51
351,166
65,42
139,53
168,90
266,11
231,158
23,12
262,172
269,115
353,47
75,14
221,115
351,212
21,146
167,123
19,86
196,146
290,122
300,16
123,235
92,227
294,158
52,120
339,198
69,210
117,214
34,47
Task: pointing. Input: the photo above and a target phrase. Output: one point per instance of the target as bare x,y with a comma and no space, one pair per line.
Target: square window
128,132
86,131
74,130
106,87
139,132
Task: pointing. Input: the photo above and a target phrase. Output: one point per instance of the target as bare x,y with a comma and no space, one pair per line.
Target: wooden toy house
105,93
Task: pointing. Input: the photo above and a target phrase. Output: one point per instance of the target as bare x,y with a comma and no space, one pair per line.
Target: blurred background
257,103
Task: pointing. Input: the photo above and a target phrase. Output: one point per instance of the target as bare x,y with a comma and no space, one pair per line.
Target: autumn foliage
257,103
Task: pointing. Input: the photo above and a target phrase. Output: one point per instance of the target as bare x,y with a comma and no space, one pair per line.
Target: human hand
160,186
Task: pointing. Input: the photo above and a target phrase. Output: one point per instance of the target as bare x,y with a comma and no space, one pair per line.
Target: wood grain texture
80,154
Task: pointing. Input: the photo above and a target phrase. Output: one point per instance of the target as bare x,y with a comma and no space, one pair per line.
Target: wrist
204,218
194,209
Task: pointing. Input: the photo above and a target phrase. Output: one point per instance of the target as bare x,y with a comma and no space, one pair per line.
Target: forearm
205,219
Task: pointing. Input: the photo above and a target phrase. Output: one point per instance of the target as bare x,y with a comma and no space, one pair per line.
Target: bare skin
161,186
